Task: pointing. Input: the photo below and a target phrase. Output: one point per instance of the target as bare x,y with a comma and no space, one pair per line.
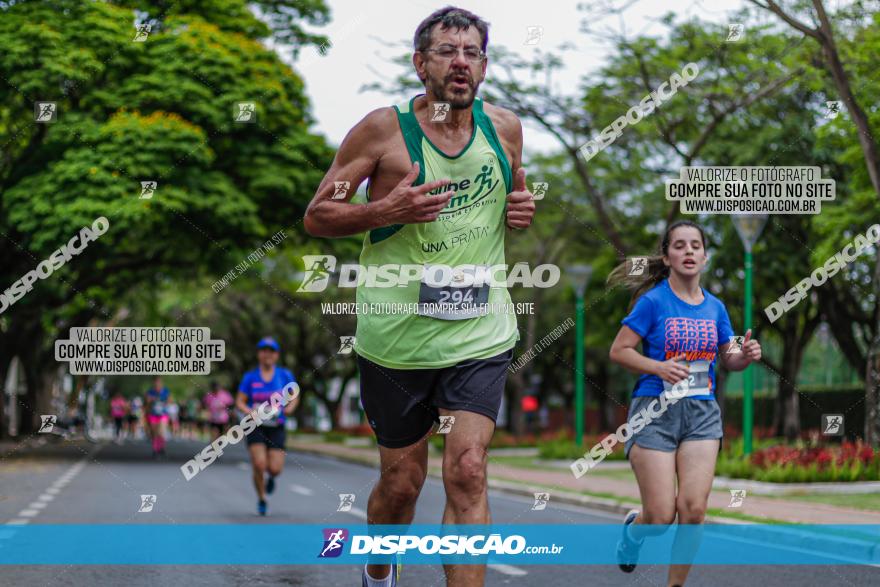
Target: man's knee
401,485
466,472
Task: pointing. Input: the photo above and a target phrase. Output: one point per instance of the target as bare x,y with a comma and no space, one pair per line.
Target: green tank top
469,231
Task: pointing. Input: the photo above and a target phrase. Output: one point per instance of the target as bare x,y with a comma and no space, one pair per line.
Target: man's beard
457,101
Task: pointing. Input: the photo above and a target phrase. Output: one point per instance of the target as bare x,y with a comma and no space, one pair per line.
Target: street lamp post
749,227
580,276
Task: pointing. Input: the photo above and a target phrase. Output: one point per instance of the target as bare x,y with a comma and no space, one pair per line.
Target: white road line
42,501
358,513
509,570
301,489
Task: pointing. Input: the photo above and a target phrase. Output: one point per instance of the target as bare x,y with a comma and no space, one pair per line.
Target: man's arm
356,160
520,202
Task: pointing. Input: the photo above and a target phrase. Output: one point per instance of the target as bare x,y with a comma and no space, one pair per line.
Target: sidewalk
622,494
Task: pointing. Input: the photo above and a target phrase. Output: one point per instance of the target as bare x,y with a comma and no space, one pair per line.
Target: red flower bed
848,453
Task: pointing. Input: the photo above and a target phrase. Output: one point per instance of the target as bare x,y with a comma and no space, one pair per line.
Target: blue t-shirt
258,391
159,407
670,326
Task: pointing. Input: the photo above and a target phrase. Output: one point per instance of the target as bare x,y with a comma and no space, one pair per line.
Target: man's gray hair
450,17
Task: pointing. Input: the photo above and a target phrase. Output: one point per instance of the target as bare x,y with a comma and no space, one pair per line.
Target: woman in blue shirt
266,442
674,426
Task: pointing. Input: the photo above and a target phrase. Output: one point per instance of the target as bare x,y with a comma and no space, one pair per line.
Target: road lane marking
358,513
301,489
28,513
509,570
18,522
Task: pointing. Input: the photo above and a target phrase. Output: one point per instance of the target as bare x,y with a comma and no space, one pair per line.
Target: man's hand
520,202
406,204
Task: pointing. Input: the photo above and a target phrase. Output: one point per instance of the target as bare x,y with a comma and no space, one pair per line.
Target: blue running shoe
261,507
628,549
270,485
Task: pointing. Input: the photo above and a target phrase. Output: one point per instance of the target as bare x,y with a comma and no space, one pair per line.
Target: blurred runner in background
135,413
157,415
217,402
118,411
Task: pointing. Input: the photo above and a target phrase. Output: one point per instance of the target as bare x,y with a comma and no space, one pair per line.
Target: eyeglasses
448,53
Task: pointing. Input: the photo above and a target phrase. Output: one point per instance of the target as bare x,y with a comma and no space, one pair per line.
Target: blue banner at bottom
519,544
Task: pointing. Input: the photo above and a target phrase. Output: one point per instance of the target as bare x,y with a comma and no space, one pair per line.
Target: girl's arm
624,353
751,353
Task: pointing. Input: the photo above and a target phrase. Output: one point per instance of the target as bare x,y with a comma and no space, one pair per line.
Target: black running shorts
401,404
272,436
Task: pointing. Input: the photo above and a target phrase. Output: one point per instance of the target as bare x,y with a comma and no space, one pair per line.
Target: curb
781,535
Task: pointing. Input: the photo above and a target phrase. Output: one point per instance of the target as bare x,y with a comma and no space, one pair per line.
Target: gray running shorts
686,419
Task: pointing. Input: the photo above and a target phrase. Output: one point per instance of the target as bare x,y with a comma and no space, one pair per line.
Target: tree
127,112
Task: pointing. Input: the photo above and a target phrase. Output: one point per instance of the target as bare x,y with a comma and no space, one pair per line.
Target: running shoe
270,485
628,549
261,507
395,575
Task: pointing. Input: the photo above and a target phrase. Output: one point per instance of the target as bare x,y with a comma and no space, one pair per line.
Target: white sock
371,582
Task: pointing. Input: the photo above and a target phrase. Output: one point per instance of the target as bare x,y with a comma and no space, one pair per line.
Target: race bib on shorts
451,294
696,383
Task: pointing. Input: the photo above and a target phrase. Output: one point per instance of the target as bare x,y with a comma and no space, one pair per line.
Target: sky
363,32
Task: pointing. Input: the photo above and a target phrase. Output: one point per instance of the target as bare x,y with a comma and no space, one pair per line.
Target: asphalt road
102,484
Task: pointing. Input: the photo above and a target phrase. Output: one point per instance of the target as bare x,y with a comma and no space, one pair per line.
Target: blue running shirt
259,391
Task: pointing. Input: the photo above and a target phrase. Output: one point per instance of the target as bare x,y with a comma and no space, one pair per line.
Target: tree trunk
872,394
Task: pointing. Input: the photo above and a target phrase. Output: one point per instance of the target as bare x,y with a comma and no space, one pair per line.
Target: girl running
118,411
683,329
157,415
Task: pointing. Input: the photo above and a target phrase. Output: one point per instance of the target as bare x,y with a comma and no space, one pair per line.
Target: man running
441,194
266,442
